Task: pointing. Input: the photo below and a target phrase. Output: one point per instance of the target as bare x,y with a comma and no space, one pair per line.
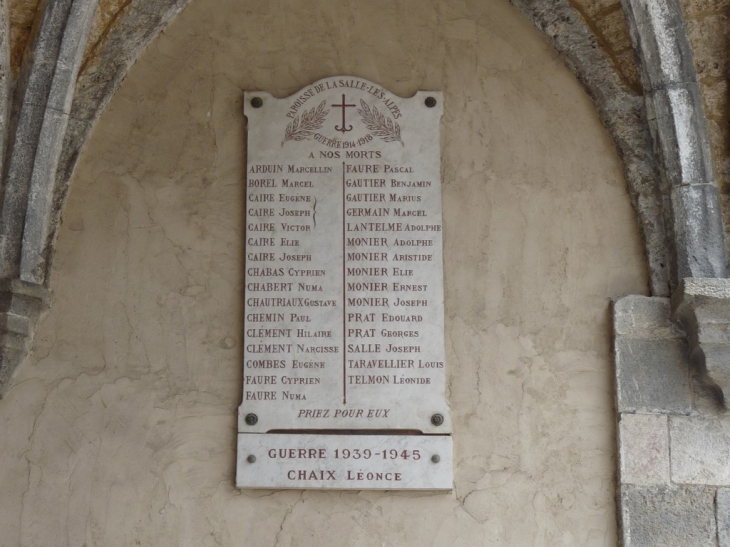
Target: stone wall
120,430
670,380
673,444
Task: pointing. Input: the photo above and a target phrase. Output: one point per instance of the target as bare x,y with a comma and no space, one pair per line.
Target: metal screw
251,458
436,419
435,458
251,419
430,102
257,102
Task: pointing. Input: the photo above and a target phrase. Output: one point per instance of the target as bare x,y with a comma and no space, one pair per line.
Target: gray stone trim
668,516
623,113
5,77
700,450
702,306
32,98
684,508
20,307
722,508
44,98
53,129
96,85
673,450
652,358
678,126
643,449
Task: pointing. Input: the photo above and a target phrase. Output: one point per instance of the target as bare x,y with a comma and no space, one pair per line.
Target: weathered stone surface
623,113
722,512
645,317
607,19
652,360
699,239
34,92
20,20
708,31
678,123
102,74
5,85
48,41
700,449
662,516
710,289
51,139
20,306
652,376
657,30
680,134
703,308
643,449
39,196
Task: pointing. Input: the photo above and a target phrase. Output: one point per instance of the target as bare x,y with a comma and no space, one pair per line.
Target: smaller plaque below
346,462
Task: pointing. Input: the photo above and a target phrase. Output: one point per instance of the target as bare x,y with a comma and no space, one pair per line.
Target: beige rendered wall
120,430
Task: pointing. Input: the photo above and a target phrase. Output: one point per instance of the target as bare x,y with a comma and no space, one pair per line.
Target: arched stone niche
121,427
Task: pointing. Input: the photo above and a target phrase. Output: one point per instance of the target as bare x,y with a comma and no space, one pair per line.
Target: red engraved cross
344,128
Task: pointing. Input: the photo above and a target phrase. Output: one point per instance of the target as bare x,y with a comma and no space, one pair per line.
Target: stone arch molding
48,110
46,115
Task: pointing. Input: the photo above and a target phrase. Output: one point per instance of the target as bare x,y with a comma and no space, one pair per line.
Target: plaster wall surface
121,428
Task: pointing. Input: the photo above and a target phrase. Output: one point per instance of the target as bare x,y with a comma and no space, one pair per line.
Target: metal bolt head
257,102
251,419
437,419
430,102
435,458
251,458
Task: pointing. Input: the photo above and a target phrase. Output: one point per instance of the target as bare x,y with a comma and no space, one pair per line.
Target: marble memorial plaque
345,462
343,321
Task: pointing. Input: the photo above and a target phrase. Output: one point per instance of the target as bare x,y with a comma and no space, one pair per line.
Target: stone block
38,85
20,306
658,33
652,376
664,516
52,26
13,341
699,236
706,298
16,324
644,317
652,366
643,449
677,120
722,508
10,358
60,96
37,217
76,34
703,308
700,450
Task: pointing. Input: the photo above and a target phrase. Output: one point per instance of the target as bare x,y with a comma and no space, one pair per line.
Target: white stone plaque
344,271
345,462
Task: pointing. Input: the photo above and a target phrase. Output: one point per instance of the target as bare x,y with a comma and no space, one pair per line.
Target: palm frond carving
304,126
379,124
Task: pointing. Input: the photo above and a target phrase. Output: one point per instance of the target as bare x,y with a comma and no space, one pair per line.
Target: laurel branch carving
379,125
303,127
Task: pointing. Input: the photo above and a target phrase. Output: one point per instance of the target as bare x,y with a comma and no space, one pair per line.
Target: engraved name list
344,310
